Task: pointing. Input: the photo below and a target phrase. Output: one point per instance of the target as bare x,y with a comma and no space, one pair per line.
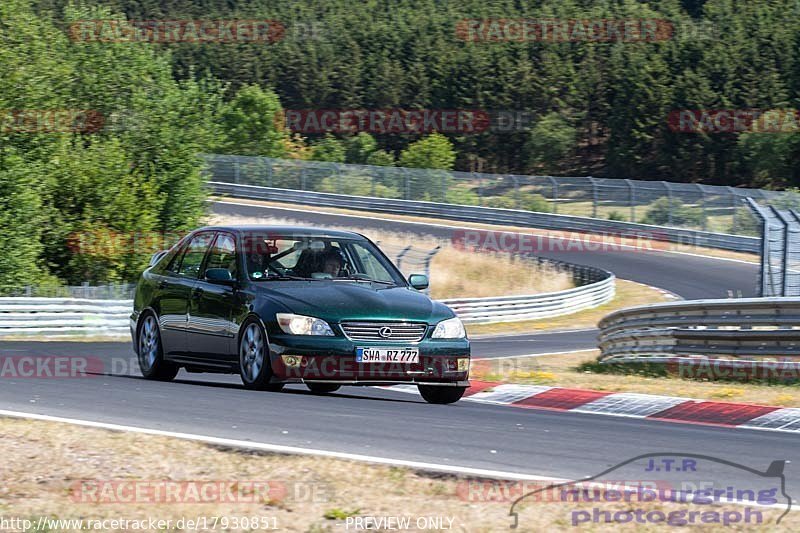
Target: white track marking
294,450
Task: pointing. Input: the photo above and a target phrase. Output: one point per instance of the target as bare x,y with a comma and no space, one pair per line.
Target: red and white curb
632,405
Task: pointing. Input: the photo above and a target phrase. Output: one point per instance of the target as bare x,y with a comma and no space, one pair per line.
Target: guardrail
747,329
63,316
59,316
491,215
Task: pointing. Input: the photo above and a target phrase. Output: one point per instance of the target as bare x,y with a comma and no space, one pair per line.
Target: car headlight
452,328
303,325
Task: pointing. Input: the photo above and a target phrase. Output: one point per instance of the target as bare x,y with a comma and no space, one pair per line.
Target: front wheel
151,353
436,394
322,388
254,366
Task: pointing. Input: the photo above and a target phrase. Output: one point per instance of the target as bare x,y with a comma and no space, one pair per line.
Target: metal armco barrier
59,316
63,316
747,329
491,215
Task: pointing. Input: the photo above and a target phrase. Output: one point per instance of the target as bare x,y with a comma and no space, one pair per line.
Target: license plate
387,355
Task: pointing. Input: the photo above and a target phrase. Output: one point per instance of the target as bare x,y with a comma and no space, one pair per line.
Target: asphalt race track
379,422
391,424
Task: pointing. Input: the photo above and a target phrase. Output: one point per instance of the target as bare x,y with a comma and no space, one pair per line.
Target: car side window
193,255
223,254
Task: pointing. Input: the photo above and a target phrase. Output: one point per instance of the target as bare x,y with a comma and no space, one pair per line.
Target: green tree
434,151
251,122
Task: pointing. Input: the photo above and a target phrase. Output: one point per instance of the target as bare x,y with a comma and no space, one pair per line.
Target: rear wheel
322,388
254,366
437,394
151,353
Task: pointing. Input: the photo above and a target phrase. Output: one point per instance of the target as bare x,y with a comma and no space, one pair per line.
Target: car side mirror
221,276
418,281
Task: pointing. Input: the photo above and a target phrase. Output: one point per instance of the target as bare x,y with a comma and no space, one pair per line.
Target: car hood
337,301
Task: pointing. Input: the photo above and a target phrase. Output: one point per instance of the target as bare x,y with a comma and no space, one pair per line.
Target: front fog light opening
463,364
292,361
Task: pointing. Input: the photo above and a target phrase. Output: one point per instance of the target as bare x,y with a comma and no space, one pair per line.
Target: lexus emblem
385,332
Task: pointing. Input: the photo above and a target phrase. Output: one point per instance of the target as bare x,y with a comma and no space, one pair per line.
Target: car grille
371,331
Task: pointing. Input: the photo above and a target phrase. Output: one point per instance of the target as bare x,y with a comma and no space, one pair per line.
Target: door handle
162,284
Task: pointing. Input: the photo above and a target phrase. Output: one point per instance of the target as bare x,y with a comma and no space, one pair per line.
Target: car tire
254,362
438,394
322,388
150,351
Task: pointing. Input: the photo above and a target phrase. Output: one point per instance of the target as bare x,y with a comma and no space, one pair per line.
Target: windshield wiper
284,277
364,277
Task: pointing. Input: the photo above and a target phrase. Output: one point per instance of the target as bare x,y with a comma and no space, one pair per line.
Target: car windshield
269,257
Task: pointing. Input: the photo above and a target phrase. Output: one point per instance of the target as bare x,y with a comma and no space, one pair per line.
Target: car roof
283,231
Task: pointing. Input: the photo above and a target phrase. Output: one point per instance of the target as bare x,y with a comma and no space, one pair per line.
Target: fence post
516,190
554,184
480,188
594,196
401,255
427,266
669,200
236,172
407,184
269,173
631,199
703,206
303,178
733,206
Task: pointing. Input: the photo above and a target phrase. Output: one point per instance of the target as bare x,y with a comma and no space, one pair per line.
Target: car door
174,289
211,326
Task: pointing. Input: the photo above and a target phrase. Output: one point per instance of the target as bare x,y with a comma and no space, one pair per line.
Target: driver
332,261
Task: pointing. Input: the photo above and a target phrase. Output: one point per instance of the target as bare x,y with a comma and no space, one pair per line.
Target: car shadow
239,386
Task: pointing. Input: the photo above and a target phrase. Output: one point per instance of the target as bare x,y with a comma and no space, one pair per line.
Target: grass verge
66,472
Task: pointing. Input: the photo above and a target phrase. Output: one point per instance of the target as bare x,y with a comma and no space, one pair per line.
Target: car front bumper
333,360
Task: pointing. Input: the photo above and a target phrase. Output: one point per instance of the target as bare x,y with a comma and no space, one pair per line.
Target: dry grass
42,461
628,294
563,371
454,273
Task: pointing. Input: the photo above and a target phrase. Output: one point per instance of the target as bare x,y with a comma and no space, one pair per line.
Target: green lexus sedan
282,305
